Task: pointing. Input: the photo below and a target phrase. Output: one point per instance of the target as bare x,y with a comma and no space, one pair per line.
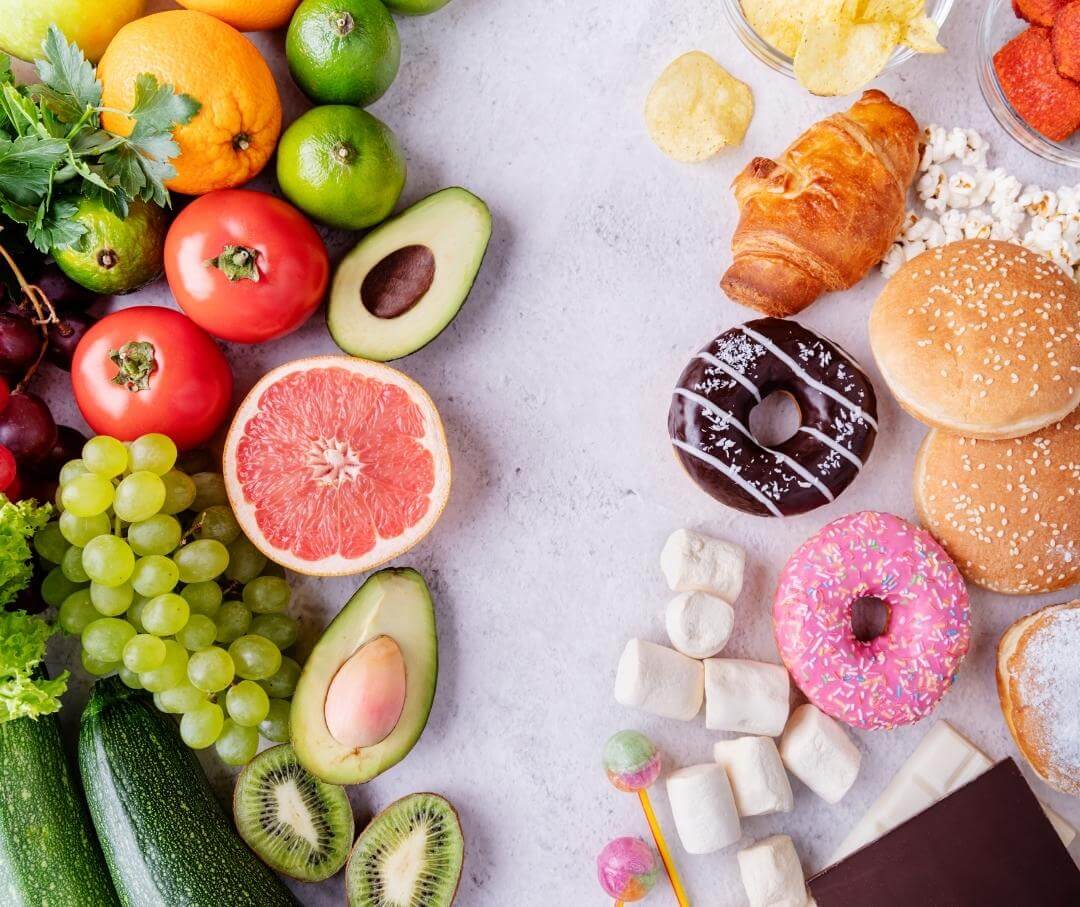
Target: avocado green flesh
394,603
455,226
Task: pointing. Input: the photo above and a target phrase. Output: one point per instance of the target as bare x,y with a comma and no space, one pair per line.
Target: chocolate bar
988,844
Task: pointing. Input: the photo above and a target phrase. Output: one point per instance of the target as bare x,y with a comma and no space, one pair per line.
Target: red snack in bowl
1065,39
1039,12
1047,101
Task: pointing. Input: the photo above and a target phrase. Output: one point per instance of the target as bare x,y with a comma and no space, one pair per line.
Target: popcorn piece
772,874
659,680
693,562
818,752
699,625
747,697
703,808
757,775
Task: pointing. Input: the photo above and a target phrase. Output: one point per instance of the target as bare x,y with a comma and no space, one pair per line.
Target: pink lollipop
628,869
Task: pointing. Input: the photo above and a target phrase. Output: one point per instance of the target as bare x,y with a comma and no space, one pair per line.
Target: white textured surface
554,383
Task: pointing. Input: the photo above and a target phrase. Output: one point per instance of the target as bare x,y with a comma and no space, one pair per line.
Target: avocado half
408,278
392,603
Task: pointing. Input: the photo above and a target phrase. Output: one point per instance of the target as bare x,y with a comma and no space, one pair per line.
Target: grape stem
44,314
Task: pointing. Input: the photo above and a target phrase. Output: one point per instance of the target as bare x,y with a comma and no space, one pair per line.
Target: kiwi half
297,824
410,855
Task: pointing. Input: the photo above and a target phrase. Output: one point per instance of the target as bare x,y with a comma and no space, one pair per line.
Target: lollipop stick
661,845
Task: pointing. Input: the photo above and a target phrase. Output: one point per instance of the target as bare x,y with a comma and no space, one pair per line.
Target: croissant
822,216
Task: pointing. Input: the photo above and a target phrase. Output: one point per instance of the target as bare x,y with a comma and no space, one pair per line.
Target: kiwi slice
409,856
297,824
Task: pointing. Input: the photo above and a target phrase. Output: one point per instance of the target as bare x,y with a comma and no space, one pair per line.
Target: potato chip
890,10
921,35
697,107
781,22
838,58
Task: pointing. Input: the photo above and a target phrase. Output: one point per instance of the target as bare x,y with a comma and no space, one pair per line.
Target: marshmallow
772,875
757,775
818,752
703,808
699,624
697,563
747,697
659,680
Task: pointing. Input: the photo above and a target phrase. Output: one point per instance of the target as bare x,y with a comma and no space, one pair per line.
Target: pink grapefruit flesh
335,465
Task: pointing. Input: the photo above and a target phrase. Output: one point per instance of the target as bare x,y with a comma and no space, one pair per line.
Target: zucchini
165,836
49,856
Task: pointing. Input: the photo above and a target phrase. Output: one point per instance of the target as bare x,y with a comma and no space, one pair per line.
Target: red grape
62,291
27,428
5,393
20,343
68,446
65,335
14,490
7,468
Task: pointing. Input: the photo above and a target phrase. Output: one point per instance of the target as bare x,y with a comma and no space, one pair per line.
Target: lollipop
627,869
632,763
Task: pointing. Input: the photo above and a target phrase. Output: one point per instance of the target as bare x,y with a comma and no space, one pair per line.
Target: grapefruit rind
385,548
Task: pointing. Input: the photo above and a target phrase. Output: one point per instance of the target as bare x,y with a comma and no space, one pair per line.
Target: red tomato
245,266
173,377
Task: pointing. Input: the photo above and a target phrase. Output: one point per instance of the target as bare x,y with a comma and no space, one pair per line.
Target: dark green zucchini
166,839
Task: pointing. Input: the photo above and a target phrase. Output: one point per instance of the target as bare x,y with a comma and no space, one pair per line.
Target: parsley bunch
53,148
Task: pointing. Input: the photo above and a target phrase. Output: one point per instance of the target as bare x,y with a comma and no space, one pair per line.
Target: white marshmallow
772,874
747,697
703,808
757,775
659,680
699,624
818,752
693,562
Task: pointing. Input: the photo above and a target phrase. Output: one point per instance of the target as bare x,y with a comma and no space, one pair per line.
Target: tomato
149,369
245,266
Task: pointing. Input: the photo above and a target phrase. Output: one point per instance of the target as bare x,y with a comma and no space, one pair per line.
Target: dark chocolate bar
989,844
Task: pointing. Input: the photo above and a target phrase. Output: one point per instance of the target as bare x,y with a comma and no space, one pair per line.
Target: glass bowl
999,25
938,10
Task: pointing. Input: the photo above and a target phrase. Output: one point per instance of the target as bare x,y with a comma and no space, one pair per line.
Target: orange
246,15
234,133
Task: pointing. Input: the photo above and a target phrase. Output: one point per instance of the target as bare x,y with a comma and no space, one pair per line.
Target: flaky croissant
822,216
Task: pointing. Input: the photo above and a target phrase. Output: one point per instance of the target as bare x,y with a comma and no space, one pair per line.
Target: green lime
115,255
343,51
415,7
341,165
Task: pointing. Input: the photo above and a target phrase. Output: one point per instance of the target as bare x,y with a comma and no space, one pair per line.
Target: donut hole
869,618
775,419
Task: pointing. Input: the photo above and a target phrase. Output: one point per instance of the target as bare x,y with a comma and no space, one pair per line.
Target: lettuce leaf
24,692
18,523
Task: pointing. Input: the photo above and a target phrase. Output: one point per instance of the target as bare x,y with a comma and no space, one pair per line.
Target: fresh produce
234,133
90,24
147,369
335,465
25,690
18,524
246,266
27,428
246,15
410,853
366,691
114,254
408,278
341,165
343,51
294,822
415,7
166,839
64,336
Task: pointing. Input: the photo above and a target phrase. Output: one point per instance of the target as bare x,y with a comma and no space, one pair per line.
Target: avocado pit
398,282
365,699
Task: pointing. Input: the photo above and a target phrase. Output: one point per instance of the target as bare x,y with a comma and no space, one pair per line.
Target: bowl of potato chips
837,47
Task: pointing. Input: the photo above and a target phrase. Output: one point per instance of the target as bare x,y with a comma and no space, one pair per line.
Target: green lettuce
18,523
24,691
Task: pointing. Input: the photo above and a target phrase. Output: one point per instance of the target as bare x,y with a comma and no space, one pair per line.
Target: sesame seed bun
1008,512
981,339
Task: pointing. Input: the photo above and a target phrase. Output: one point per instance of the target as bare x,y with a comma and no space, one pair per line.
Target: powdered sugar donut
872,620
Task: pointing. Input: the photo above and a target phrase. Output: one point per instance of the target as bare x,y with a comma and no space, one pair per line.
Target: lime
341,165
115,255
343,51
415,7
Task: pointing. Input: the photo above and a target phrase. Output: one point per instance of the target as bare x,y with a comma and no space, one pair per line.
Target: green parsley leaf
24,692
26,166
158,109
65,70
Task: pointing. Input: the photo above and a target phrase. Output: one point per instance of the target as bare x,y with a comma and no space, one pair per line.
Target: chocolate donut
710,417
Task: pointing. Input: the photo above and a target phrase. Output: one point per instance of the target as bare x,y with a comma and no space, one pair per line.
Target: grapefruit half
334,465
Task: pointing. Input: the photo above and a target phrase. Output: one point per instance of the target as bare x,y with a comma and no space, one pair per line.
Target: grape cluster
151,571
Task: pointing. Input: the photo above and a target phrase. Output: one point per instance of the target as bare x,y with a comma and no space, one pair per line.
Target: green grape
201,726
179,492
197,633
267,594
201,560
87,495
282,683
181,698
70,470
247,703
245,561
255,657
275,726
71,565
154,452
158,535
172,670
77,612
104,639
135,612
108,560
196,460
56,587
139,496
233,621
204,598
50,544
209,490
81,529
280,629
272,569
165,614
143,653
112,601
211,669
105,456
97,668
129,678
154,574
217,523
237,745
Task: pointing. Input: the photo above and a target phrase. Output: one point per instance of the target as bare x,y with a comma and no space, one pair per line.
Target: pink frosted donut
872,620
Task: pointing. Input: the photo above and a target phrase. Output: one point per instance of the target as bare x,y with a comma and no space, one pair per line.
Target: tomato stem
237,263
135,362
